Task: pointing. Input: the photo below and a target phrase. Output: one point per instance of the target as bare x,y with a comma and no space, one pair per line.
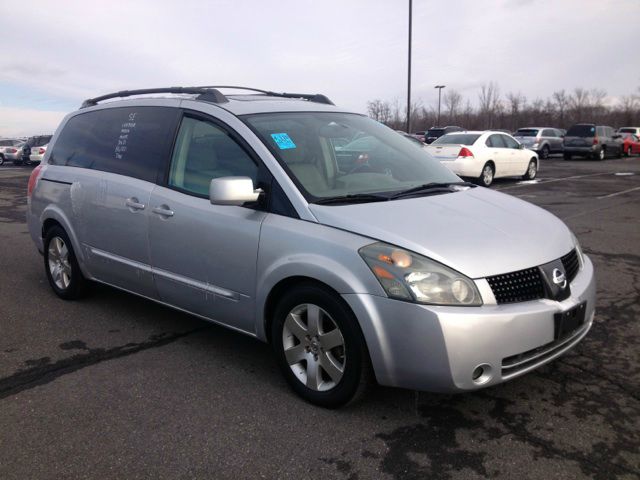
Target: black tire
1,159
485,179
532,170
77,285
356,375
620,152
567,156
629,152
600,154
544,153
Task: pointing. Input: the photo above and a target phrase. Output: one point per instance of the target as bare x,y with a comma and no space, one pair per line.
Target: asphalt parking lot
114,386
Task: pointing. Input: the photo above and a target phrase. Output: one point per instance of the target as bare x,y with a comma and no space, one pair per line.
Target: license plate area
568,322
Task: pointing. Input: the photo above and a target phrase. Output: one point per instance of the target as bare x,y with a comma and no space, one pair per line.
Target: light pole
409,74
439,87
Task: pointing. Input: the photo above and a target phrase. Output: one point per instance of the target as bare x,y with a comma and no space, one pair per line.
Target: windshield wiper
432,187
353,198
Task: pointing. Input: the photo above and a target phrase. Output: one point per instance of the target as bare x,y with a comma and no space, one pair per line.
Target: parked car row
583,139
27,152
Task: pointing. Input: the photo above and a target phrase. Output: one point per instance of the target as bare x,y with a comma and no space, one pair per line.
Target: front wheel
61,265
319,347
629,152
1,159
532,171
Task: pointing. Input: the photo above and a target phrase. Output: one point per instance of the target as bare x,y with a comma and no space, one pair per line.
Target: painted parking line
562,179
619,193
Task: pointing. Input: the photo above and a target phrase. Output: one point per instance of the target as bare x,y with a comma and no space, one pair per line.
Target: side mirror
232,191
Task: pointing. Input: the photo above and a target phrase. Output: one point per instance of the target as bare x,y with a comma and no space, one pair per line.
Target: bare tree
379,110
489,99
580,103
561,100
452,102
516,103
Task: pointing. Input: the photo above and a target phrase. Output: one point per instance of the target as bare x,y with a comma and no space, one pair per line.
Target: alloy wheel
314,347
487,175
59,264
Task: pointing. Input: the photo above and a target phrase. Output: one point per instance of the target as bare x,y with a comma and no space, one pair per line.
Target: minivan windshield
330,155
457,139
526,132
581,131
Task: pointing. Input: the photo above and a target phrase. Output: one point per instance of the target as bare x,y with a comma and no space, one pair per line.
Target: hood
478,232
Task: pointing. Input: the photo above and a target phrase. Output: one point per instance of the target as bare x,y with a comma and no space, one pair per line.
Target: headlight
578,250
408,276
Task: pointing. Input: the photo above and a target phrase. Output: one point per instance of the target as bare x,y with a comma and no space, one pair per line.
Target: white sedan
37,153
484,156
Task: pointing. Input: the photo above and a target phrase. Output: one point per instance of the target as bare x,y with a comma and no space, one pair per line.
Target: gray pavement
114,386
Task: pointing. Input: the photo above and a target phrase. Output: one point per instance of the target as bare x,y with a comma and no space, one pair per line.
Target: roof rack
207,94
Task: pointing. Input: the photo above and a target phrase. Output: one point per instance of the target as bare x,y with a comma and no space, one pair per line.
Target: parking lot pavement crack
45,372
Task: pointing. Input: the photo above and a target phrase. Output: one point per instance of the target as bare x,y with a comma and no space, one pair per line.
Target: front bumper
437,349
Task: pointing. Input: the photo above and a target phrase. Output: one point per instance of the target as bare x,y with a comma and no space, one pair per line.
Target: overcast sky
55,54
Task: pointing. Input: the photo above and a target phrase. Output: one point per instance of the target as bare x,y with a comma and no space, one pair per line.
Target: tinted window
8,143
527,132
549,133
204,151
457,139
435,132
132,141
495,141
627,130
581,131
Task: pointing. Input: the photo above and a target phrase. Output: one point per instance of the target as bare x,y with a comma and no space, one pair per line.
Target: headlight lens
578,250
408,276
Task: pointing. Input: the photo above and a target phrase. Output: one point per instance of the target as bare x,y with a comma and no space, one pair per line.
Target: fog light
481,374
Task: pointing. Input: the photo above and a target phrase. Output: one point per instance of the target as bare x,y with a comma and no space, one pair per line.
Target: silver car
355,265
10,149
542,140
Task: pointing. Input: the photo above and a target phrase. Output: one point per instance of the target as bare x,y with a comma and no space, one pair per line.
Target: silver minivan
248,211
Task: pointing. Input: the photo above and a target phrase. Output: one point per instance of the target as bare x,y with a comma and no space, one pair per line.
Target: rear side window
495,141
549,133
435,132
510,142
131,141
627,130
581,131
203,152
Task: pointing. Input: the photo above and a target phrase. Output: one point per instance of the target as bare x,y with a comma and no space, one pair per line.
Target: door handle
163,211
133,204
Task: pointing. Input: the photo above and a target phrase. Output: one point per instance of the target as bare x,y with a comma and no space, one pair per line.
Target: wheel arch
53,215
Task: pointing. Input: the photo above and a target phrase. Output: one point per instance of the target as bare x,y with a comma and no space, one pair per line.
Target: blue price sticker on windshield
283,141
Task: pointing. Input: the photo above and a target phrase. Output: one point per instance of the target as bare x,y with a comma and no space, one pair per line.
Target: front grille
571,264
519,286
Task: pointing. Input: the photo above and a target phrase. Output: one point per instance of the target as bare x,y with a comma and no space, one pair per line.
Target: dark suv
436,132
32,142
593,141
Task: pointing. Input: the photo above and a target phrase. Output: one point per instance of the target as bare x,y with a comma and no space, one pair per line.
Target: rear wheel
600,155
629,151
486,177
61,265
544,153
532,171
319,347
